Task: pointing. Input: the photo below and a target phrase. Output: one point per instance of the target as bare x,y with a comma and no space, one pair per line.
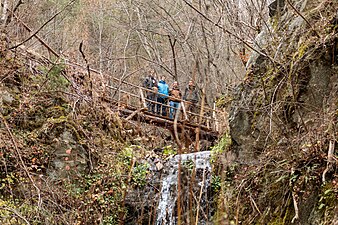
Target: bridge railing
129,95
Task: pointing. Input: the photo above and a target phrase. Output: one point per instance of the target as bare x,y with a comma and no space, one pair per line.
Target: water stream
167,207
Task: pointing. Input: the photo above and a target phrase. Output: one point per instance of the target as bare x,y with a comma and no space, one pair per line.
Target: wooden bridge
201,123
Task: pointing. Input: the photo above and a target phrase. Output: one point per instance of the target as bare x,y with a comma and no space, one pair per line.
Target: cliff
283,119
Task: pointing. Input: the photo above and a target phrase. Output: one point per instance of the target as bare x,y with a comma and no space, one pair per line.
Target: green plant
224,101
126,155
139,176
189,164
216,182
55,79
327,198
222,145
168,150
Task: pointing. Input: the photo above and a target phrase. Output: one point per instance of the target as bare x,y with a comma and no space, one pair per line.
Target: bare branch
316,33
43,25
231,33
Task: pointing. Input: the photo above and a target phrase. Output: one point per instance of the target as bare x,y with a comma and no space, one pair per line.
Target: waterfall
167,207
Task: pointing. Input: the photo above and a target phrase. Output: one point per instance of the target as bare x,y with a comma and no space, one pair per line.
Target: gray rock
68,156
251,127
7,98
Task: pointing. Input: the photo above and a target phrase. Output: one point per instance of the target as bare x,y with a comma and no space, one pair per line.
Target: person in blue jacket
162,97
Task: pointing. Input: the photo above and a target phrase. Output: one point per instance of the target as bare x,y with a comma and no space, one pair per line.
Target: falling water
166,214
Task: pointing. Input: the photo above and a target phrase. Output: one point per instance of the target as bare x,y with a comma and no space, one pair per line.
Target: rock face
287,92
68,156
288,105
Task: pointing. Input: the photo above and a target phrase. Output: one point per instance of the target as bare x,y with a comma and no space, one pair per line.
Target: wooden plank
135,112
147,117
184,111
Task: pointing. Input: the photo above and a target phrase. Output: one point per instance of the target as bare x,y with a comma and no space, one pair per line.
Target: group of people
161,95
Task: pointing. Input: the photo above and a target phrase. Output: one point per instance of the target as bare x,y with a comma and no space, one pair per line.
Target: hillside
68,155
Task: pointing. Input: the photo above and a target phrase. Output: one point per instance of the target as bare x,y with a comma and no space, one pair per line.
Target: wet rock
159,166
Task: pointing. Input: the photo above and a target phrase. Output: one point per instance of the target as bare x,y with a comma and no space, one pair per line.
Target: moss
274,22
256,113
303,48
221,147
72,126
223,101
327,200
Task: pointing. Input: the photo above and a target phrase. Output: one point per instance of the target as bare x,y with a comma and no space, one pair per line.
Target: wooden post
215,118
198,129
143,100
184,111
119,98
175,127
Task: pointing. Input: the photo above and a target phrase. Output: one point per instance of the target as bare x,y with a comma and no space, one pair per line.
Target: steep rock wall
293,88
283,120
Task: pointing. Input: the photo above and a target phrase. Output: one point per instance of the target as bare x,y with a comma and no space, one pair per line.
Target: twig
254,203
271,109
199,198
88,68
329,160
179,189
37,36
172,45
237,201
43,25
136,112
11,12
296,217
16,213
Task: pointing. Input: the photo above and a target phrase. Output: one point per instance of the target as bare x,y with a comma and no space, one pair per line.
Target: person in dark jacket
150,83
191,95
162,97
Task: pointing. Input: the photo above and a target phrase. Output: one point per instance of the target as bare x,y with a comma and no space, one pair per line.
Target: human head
175,83
191,83
163,78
